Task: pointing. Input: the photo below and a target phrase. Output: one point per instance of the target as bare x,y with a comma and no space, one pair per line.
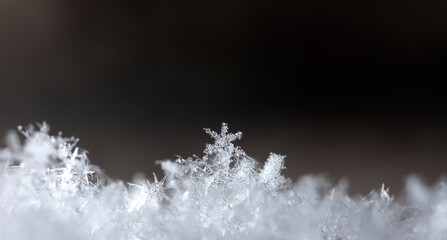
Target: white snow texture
49,190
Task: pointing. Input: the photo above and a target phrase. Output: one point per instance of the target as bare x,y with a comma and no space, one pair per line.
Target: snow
50,190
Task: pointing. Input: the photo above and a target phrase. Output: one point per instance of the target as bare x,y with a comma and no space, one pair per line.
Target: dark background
347,88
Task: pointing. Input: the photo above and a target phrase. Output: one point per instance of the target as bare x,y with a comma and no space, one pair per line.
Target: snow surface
49,190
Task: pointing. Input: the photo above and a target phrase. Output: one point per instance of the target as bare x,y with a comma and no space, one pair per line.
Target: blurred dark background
347,88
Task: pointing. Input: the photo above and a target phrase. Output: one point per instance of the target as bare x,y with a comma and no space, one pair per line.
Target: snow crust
50,190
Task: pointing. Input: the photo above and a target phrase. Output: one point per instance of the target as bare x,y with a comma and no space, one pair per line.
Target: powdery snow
49,190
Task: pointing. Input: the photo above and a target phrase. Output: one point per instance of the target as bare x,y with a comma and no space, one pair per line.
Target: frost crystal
50,190
271,173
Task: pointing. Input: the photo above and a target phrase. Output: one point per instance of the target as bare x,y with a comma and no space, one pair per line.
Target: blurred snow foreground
49,190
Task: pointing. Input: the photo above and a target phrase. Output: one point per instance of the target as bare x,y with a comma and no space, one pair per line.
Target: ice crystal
50,190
